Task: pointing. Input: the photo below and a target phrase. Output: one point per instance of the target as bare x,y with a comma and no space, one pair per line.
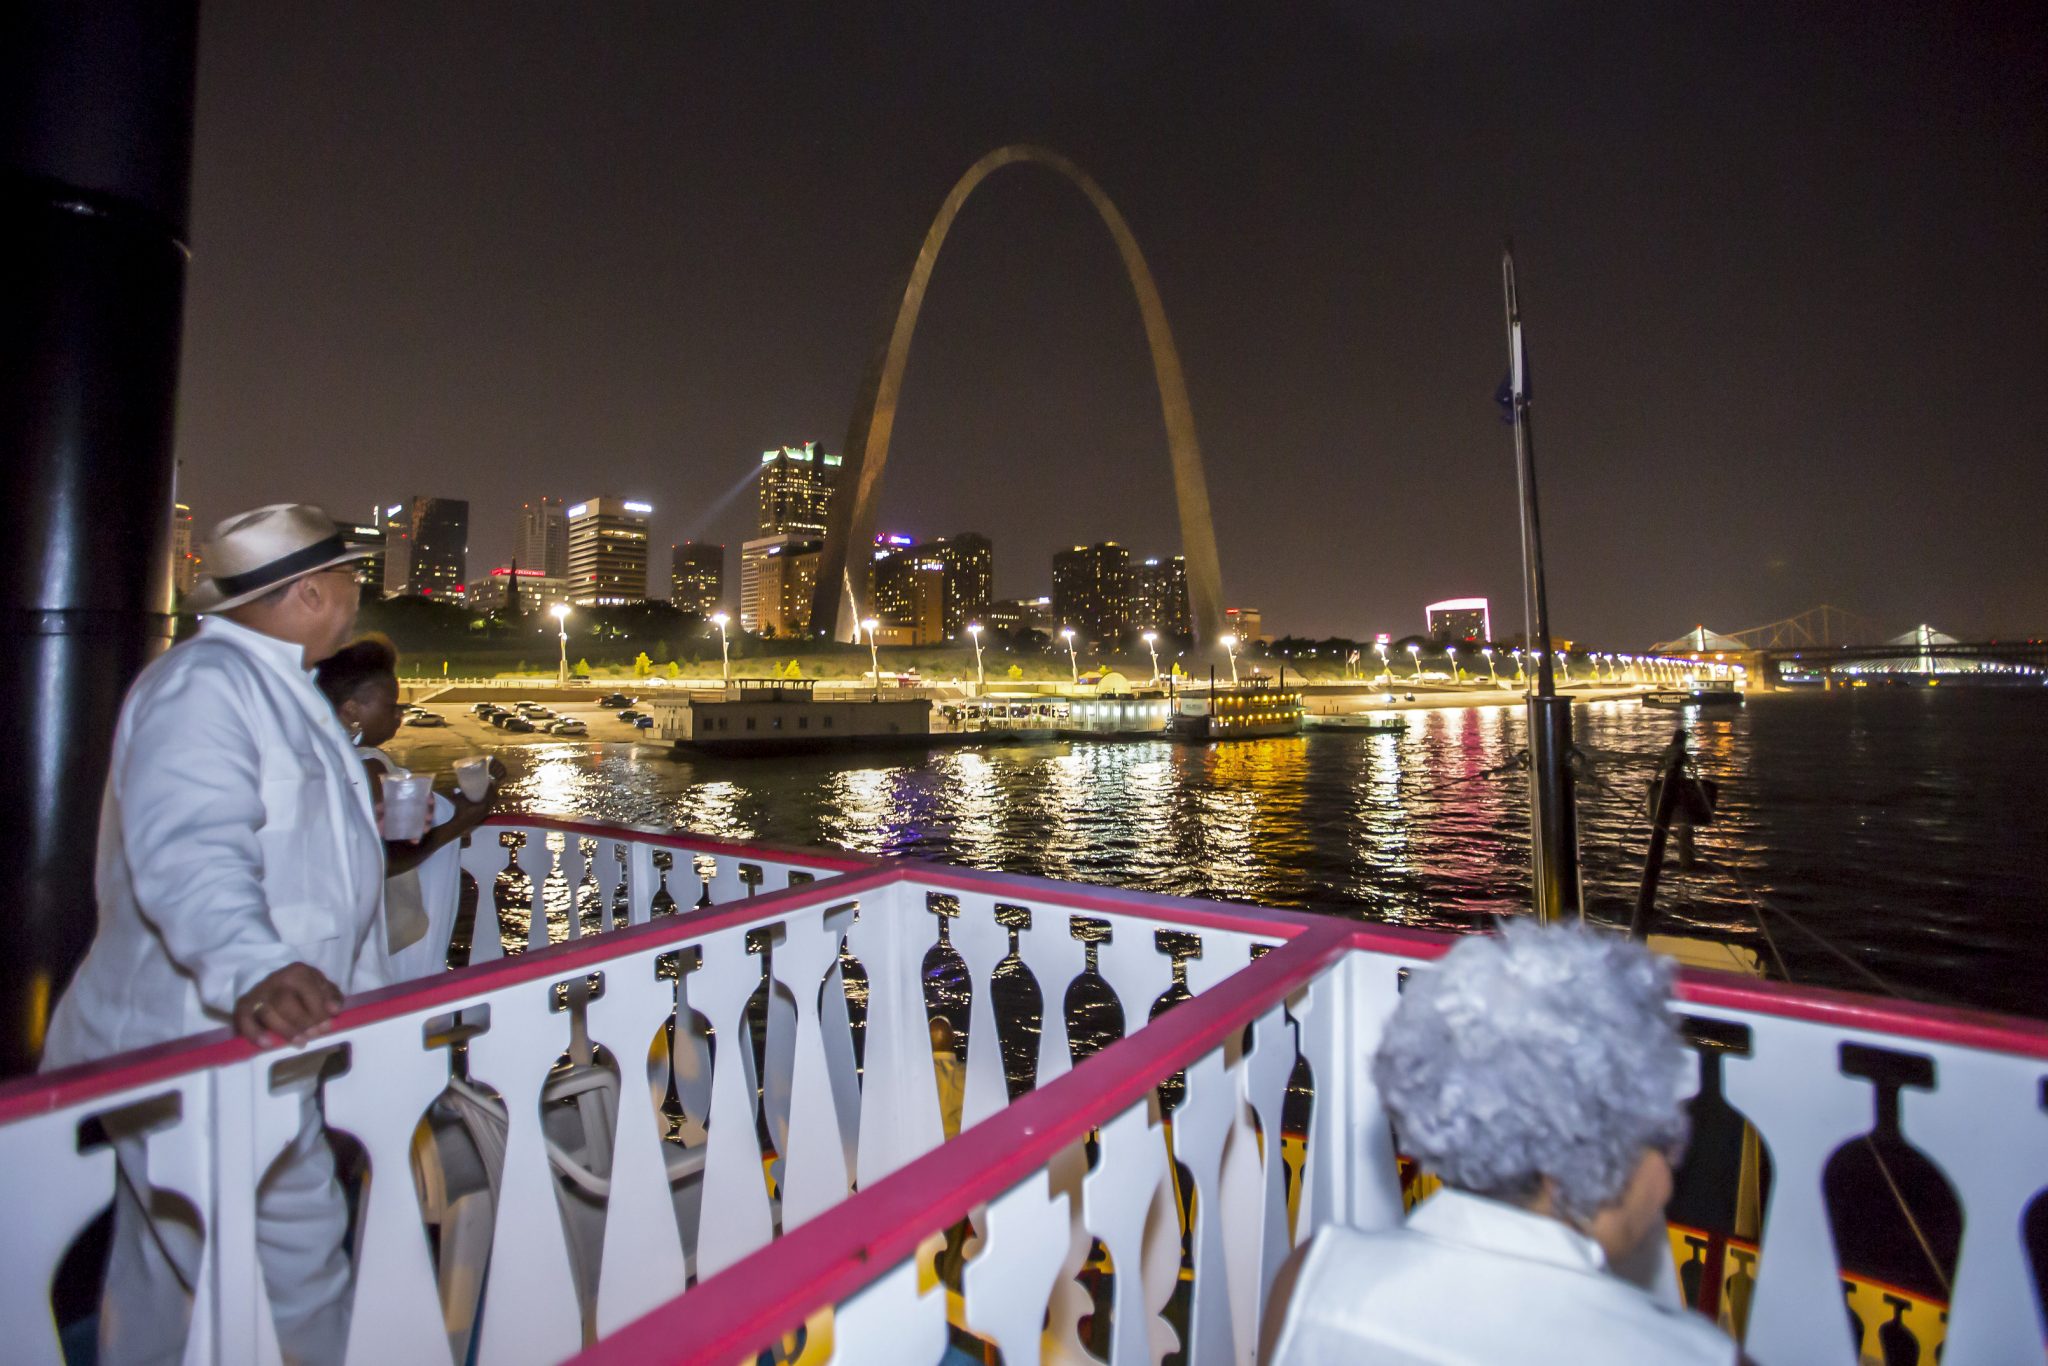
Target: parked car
617,699
481,707
518,723
568,727
426,718
629,716
643,722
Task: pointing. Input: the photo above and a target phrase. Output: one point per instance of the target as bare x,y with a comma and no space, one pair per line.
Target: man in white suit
239,876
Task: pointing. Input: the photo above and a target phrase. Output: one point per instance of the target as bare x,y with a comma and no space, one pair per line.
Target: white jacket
236,836
1474,1282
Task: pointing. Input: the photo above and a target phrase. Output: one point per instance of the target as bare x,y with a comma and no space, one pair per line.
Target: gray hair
1540,1052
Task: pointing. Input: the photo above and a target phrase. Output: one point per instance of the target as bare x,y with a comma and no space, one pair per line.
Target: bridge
1827,639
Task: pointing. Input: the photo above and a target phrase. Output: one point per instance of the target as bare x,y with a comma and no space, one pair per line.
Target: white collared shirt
1475,1282
236,836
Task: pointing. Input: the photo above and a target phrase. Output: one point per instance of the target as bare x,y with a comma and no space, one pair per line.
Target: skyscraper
1091,590
440,547
909,592
796,490
608,552
1459,619
1159,596
697,577
184,562
777,574
369,535
969,560
542,542
396,521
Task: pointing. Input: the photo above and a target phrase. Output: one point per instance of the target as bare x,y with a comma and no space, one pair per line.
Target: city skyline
1780,269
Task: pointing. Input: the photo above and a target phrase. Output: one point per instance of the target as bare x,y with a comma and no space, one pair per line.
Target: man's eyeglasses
357,576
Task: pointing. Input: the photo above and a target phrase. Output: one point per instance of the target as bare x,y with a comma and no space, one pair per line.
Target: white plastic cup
473,776
408,802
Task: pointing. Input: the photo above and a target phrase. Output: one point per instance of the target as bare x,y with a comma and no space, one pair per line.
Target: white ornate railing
569,1121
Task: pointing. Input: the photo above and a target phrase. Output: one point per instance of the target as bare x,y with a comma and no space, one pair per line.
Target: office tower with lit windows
1159,596
969,561
608,552
777,574
542,542
1014,616
796,490
909,592
696,577
184,560
1091,591
439,547
368,536
1456,620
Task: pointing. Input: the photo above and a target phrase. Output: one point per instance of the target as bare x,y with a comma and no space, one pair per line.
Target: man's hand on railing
292,1005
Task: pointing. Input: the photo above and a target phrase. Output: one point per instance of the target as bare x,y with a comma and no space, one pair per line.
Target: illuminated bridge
1827,640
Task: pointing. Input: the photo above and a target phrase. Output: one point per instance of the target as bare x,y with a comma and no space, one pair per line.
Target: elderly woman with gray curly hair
1539,1073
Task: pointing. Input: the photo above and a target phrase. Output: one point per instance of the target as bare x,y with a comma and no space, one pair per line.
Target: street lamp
1151,639
560,612
1451,658
1073,660
1230,646
980,675
719,619
1564,662
1415,655
869,624
1491,676
1386,669
1517,653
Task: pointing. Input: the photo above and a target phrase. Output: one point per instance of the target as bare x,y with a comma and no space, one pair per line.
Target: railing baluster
890,1324
391,1080
483,858
1010,1281
642,1262
899,1113
817,1166
1793,1091
1201,1126
1986,1126
1255,1176
1055,958
642,880
1351,1173
1118,1197
530,1310
737,1217
981,944
44,1215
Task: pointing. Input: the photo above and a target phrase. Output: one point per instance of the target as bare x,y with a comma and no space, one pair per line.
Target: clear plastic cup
473,776
408,802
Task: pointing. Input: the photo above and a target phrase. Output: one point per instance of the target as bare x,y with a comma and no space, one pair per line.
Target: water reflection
1883,821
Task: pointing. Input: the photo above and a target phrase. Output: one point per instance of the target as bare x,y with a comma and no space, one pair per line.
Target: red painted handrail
733,1314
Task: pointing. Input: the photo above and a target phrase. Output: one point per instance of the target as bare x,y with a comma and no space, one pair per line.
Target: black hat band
285,567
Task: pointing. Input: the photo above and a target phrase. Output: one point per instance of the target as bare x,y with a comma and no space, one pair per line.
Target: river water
1877,839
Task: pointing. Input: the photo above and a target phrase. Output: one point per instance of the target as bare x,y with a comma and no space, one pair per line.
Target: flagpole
1553,819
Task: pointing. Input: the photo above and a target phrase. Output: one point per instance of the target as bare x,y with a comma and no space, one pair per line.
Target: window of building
828,722
750,723
803,723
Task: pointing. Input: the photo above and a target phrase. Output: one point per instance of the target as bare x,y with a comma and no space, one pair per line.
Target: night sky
1784,273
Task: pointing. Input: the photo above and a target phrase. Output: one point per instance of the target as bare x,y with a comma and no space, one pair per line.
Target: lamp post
1415,656
719,619
1151,639
1230,646
1073,660
1451,658
1386,669
1564,662
868,624
1517,652
560,612
980,675
1491,676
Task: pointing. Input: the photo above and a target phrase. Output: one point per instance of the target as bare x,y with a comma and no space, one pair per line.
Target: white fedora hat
253,552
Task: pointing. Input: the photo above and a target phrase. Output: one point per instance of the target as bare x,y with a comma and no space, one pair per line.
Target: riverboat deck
1114,1186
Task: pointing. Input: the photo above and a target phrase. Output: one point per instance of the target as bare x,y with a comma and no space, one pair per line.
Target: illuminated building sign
578,510
639,507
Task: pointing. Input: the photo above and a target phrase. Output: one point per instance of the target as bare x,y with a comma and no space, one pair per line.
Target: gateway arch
841,576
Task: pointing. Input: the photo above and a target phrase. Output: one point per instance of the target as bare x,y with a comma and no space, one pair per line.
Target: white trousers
301,1224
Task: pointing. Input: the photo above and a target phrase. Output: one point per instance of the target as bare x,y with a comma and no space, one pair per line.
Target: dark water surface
1882,836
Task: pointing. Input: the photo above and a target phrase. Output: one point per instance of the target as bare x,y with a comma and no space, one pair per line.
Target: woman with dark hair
360,681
